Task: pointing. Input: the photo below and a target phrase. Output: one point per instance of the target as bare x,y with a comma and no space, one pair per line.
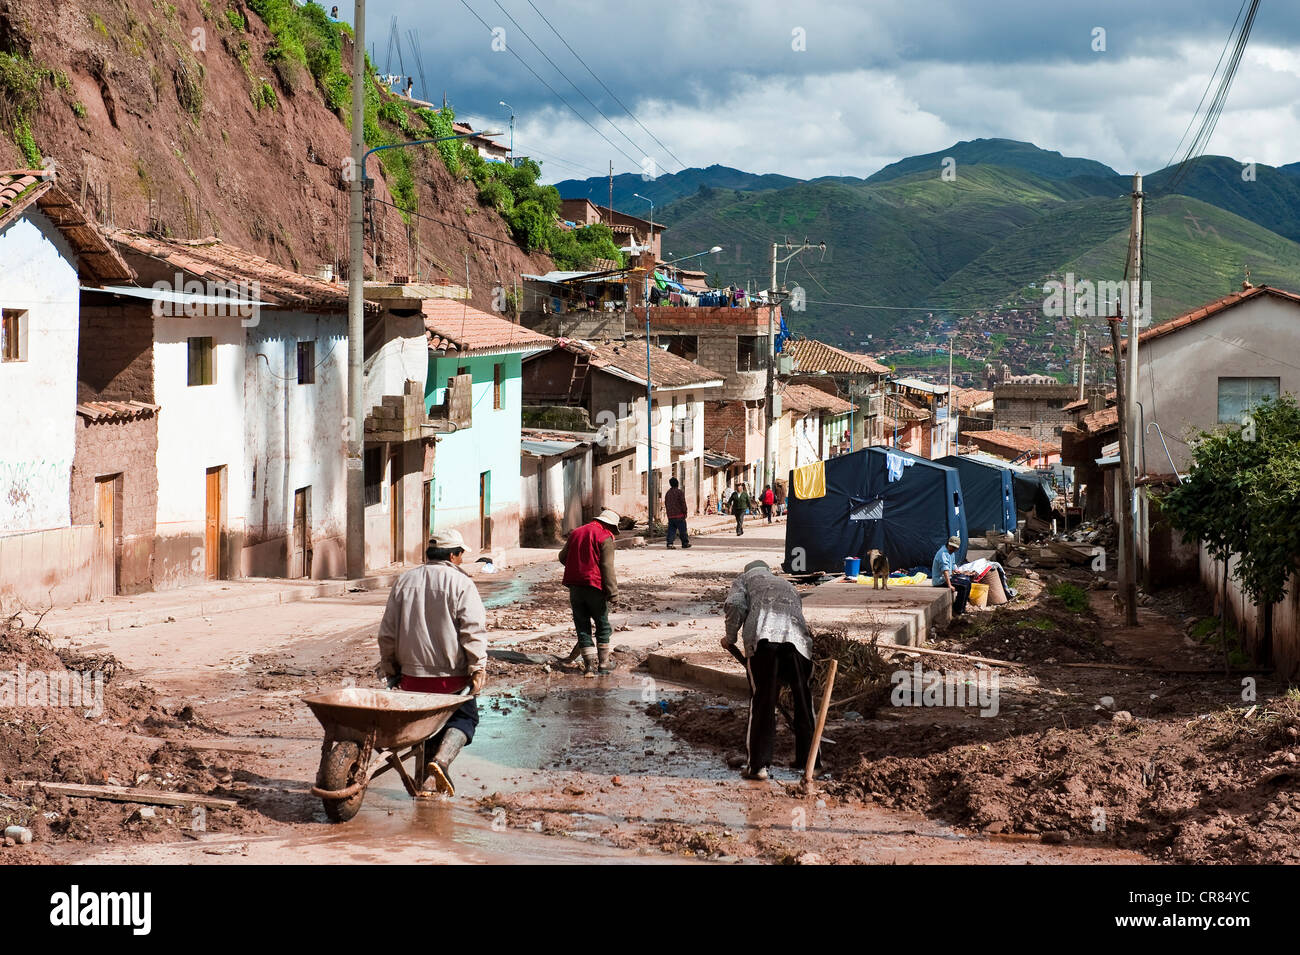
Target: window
306,363
374,465
13,334
1239,395
751,352
683,346
498,373
202,362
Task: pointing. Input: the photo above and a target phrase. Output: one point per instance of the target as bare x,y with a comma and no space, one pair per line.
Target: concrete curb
683,670
145,618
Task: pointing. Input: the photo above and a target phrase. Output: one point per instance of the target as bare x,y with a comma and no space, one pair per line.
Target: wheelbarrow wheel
339,770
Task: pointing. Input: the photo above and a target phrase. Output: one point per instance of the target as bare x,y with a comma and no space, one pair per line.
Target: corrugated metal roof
547,449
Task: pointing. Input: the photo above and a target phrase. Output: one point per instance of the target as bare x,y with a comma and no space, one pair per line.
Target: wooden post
821,723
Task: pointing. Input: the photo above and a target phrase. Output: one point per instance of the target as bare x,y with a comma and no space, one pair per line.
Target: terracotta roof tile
97,260
627,359
1011,441
213,260
814,356
459,327
805,398
116,410
970,397
1106,417
1208,310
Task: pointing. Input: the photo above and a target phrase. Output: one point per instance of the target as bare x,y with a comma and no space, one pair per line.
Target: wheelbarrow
365,733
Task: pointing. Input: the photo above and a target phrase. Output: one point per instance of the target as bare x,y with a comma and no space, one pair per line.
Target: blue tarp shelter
876,499
989,493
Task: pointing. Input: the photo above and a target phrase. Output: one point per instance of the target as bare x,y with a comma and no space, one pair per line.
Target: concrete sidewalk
224,596
900,616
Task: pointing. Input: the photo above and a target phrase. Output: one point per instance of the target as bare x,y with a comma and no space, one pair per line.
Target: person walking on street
724,500
778,494
765,616
740,507
675,506
588,559
943,573
433,639
769,500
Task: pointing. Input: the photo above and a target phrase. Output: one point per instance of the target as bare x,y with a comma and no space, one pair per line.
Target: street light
512,128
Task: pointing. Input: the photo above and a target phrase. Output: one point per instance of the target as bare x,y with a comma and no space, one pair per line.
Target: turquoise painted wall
491,444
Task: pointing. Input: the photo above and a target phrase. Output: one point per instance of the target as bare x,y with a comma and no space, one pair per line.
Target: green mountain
665,188
1000,152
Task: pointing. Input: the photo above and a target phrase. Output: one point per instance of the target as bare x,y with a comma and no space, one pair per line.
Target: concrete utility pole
1083,360
950,441
355,425
769,442
1126,509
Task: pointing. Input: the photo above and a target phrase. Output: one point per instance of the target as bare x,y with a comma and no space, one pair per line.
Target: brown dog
879,565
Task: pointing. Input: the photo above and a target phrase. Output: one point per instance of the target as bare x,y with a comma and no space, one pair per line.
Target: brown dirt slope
268,180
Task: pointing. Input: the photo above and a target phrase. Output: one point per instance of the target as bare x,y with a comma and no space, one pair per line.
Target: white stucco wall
404,356
294,438
198,428
1178,373
38,397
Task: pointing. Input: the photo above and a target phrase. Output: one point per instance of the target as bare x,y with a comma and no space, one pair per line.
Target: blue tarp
876,499
988,492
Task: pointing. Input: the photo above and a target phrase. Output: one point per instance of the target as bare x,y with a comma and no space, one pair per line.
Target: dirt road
563,769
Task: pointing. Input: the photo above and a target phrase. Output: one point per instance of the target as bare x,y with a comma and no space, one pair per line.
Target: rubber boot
590,662
453,740
605,664
572,658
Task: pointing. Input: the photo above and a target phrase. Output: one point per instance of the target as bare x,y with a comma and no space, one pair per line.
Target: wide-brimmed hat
954,542
609,517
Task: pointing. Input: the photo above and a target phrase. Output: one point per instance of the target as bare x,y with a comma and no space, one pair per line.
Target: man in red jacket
588,559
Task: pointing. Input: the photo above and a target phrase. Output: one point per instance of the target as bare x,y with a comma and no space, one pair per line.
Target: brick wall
129,448
115,357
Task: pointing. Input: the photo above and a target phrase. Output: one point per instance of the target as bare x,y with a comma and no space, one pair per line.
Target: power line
547,58
604,87
554,92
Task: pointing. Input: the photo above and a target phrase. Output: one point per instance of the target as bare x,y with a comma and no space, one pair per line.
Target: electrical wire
604,87
554,92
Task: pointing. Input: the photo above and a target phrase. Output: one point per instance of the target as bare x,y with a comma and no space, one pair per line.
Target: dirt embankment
1091,745
118,733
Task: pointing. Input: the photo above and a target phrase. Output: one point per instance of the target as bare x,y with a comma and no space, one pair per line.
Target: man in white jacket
432,639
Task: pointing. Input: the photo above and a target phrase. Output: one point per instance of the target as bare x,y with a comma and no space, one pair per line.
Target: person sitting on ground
764,611
943,573
433,639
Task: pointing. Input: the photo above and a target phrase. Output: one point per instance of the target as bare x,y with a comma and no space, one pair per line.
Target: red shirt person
675,505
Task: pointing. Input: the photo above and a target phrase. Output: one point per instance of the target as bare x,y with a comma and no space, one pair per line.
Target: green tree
1242,497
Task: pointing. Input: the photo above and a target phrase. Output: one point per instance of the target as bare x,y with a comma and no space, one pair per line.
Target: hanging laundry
810,481
894,464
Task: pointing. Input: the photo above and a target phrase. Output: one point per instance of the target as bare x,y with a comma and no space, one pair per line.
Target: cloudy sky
832,87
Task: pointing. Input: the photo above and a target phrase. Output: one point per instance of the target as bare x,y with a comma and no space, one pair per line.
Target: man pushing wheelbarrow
432,639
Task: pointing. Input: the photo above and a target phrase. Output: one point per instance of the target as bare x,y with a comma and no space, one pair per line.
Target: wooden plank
129,794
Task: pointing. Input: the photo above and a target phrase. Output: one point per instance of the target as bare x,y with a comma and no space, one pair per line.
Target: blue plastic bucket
851,566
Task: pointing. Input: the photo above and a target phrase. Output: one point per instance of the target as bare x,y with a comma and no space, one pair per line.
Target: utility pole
769,438
1126,509
355,425
950,440
1083,359
609,213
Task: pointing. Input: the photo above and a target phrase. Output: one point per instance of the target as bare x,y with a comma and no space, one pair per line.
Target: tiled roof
460,328
215,261
805,398
814,356
116,410
96,258
627,359
1075,405
1206,311
970,397
1106,417
1010,441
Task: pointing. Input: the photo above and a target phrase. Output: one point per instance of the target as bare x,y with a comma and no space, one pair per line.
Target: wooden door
212,526
106,538
485,509
395,505
300,564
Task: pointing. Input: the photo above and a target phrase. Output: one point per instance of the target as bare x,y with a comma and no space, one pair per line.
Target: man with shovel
432,639
764,611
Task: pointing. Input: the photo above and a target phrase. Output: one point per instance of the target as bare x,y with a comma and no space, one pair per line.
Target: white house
47,251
